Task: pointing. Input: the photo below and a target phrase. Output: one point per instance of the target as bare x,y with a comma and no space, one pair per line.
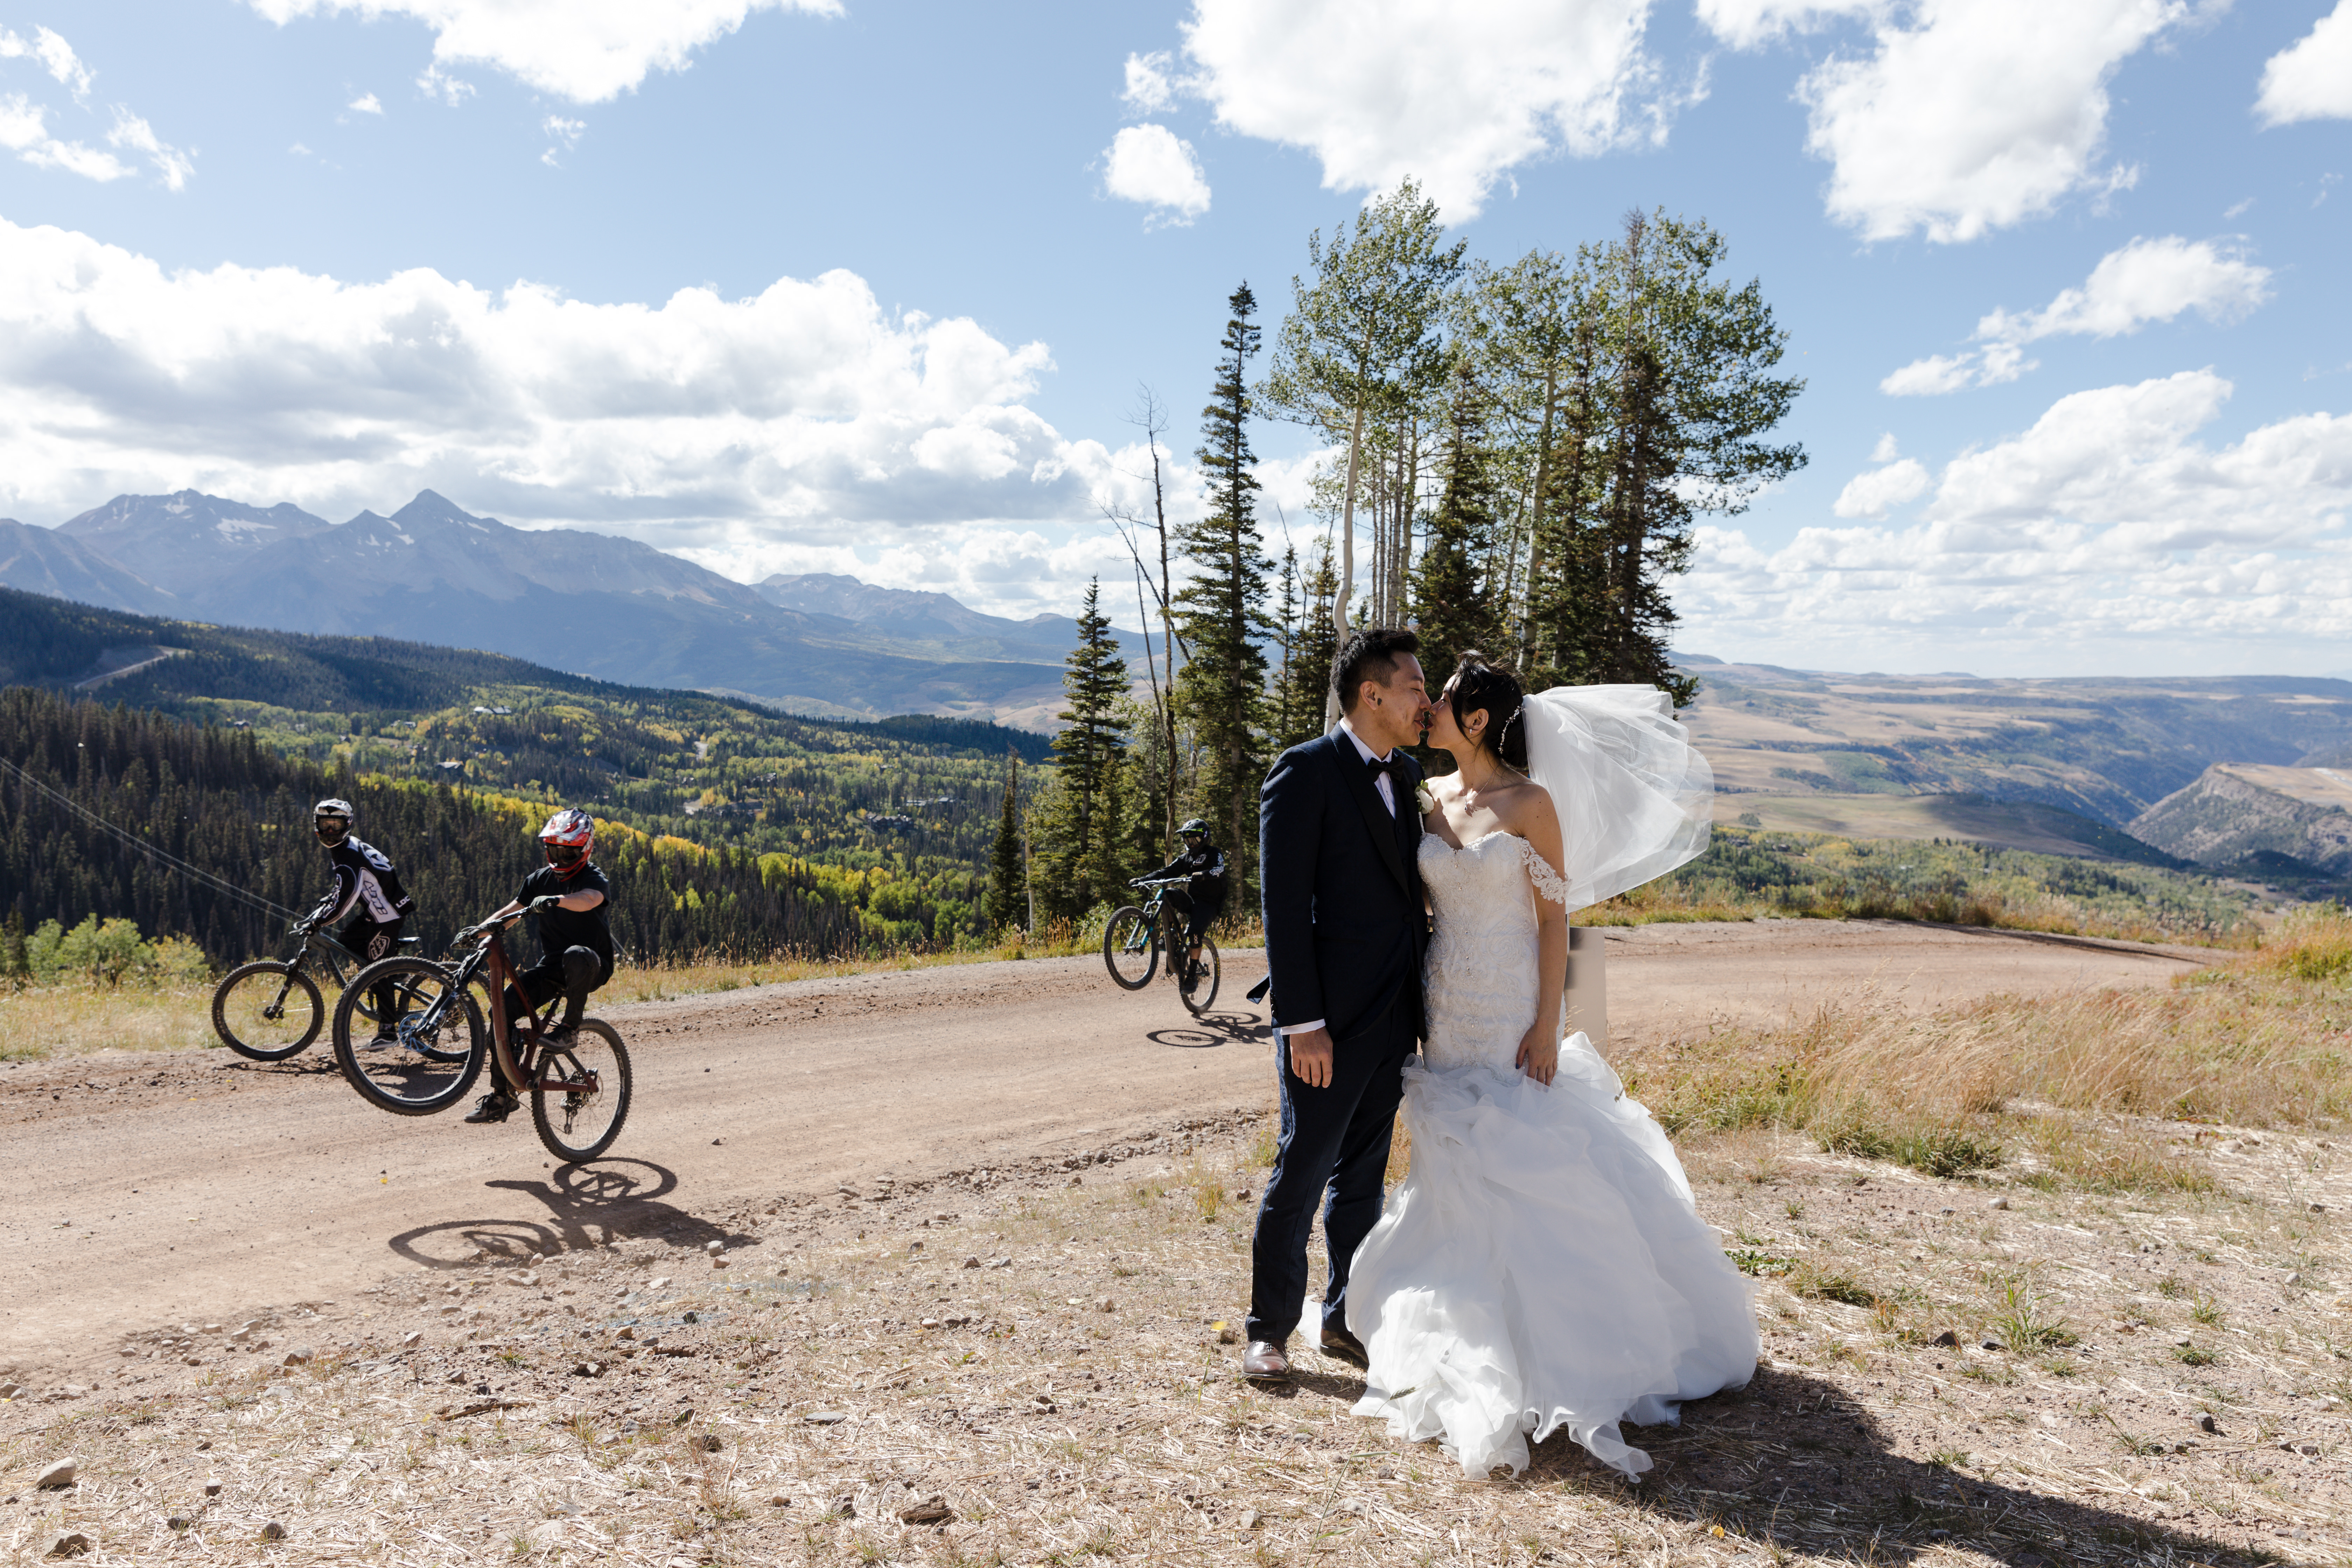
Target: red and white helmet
569,838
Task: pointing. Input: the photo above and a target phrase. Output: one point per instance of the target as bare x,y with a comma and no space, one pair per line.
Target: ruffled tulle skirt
1541,1268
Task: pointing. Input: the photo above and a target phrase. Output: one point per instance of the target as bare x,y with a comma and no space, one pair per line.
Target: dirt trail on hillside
198,1188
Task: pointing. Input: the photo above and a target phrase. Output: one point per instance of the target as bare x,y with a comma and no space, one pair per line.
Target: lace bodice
1482,973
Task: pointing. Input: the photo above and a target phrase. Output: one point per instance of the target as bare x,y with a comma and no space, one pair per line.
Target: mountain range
589,602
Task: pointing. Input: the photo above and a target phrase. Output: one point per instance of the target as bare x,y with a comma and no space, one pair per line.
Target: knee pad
582,969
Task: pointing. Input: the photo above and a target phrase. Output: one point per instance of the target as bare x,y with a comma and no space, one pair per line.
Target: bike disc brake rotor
434,1038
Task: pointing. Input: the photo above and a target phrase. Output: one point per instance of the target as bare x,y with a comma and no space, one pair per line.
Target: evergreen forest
731,829
1518,455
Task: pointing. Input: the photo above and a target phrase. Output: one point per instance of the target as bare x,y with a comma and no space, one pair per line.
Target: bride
1542,1266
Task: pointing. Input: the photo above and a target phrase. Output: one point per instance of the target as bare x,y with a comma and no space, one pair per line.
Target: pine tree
15,964
1308,677
1008,884
1671,402
1454,610
1223,686
1076,836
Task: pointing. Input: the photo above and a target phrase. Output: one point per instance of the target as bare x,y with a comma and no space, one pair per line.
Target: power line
169,861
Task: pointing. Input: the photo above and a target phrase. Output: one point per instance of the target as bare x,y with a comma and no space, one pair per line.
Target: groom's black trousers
1334,1138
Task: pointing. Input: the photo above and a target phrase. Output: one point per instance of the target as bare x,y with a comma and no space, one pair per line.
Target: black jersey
559,929
1205,867
366,882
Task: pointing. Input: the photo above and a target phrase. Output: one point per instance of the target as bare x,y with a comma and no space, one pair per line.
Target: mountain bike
1136,937
269,1010
579,1086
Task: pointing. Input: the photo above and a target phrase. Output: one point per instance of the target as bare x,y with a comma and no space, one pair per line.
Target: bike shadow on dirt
310,1064
1793,1464
1209,1030
579,1207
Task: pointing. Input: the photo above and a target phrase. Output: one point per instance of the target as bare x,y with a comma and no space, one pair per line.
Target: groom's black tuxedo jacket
1344,927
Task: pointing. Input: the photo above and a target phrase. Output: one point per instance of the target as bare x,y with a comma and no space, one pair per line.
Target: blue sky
864,286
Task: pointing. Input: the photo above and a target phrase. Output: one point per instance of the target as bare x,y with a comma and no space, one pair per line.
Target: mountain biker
574,903
1201,898
367,888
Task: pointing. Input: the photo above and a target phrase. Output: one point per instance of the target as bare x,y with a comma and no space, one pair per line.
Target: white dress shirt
1380,782
1386,784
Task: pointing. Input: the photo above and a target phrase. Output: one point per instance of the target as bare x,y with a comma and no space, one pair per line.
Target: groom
1344,932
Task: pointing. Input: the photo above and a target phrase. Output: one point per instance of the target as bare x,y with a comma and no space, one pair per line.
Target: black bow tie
1393,764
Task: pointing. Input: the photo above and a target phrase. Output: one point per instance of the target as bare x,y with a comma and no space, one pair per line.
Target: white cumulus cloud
2146,280
1152,164
562,134
24,130
586,50
1940,373
1745,23
2108,521
435,83
1453,95
1152,84
365,104
1881,490
56,57
24,124
803,419
136,135
1975,114
2312,79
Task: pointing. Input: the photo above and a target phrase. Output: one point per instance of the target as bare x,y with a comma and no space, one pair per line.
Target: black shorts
1198,912
371,939
547,979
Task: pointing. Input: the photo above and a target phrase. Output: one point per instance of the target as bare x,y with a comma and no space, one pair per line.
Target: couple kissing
1542,1266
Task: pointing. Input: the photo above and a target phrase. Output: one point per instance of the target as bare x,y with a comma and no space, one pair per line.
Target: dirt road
154,1189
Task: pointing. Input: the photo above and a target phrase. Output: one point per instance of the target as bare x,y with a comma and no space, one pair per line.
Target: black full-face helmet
1195,828
331,820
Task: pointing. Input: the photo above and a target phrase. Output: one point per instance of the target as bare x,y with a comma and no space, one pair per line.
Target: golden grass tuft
2257,1043
2313,943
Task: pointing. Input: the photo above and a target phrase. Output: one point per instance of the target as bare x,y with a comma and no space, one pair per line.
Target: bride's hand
1540,1055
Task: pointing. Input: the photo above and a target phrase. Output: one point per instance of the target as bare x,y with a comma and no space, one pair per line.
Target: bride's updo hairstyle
1477,684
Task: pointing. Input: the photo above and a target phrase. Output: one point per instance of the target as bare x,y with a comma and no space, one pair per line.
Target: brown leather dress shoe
1341,1345
1263,1361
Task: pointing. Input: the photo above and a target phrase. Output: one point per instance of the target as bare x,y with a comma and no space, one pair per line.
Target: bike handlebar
1160,882
468,933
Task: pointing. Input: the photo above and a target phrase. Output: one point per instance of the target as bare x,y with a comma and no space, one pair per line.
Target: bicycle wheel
580,1094
266,1011
1130,950
1198,984
441,1045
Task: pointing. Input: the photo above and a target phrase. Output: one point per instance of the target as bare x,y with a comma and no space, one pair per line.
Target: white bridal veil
1636,798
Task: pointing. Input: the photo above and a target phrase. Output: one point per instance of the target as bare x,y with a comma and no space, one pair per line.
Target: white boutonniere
1422,801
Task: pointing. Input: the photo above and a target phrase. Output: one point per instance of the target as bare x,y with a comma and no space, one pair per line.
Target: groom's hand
1310,1058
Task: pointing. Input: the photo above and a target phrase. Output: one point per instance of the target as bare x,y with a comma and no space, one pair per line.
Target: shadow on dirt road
583,1206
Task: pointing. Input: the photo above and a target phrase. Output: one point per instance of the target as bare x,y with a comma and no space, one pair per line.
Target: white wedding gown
1542,1266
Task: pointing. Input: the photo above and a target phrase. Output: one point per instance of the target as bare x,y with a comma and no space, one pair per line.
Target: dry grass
2066,1086
46,1021
1669,902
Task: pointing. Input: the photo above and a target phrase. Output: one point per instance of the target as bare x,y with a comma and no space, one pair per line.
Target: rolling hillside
2282,822
2107,749
2029,825
910,800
